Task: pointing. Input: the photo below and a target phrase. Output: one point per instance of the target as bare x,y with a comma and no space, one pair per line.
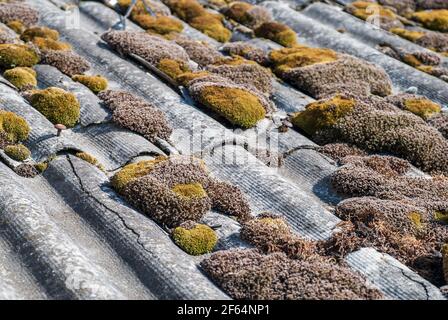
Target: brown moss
300,56
41,32
17,26
186,9
187,77
139,8
195,239
50,44
14,127
239,11
94,83
277,32
433,19
407,34
173,68
212,26
17,55
23,78
67,62
320,115
57,105
160,24
18,11
17,152
445,261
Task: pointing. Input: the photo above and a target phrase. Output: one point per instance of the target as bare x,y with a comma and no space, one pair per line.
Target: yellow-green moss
411,60
17,152
21,77
94,83
185,78
57,105
17,55
186,9
433,19
41,166
416,219
300,56
407,34
360,10
41,32
17,26
277,32
173,68
234,61
159,24
15,127
211,25
189,191
196,241
50,44
441,216
238,106
422,107
322,114
238,11
90,159
133,171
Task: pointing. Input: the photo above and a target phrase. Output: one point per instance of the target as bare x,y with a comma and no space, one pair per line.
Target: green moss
441,216
407,34
300,56
133,171
189,191
322,114
17,26
422,107
57,105
363,10
173,68
433,19
277,32
17,55
94,83
23,78
238,106
41,166
90,159
41,32
196,241
159,24
211,25
15,127
416,219
234,61
50,44
17,152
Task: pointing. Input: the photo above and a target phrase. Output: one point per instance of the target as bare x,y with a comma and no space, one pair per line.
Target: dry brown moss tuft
17,26
67,62
49,44
338,151
136,114
16,11
248,274
26,170
245,50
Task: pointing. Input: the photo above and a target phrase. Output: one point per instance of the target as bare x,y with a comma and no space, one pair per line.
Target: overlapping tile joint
71,228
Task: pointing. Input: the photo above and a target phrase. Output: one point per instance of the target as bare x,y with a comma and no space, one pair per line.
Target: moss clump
172,68
441,216
422,107
57,105
239,107
23,78
198,17
50,44
322,114
159,24
187,77
14,128
190,190
94,83
17,55
195,239
133,171
90,159
433,19
407,34
17,26
238,11
41,32
361,10
41,166
17,152
300,56
277,32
